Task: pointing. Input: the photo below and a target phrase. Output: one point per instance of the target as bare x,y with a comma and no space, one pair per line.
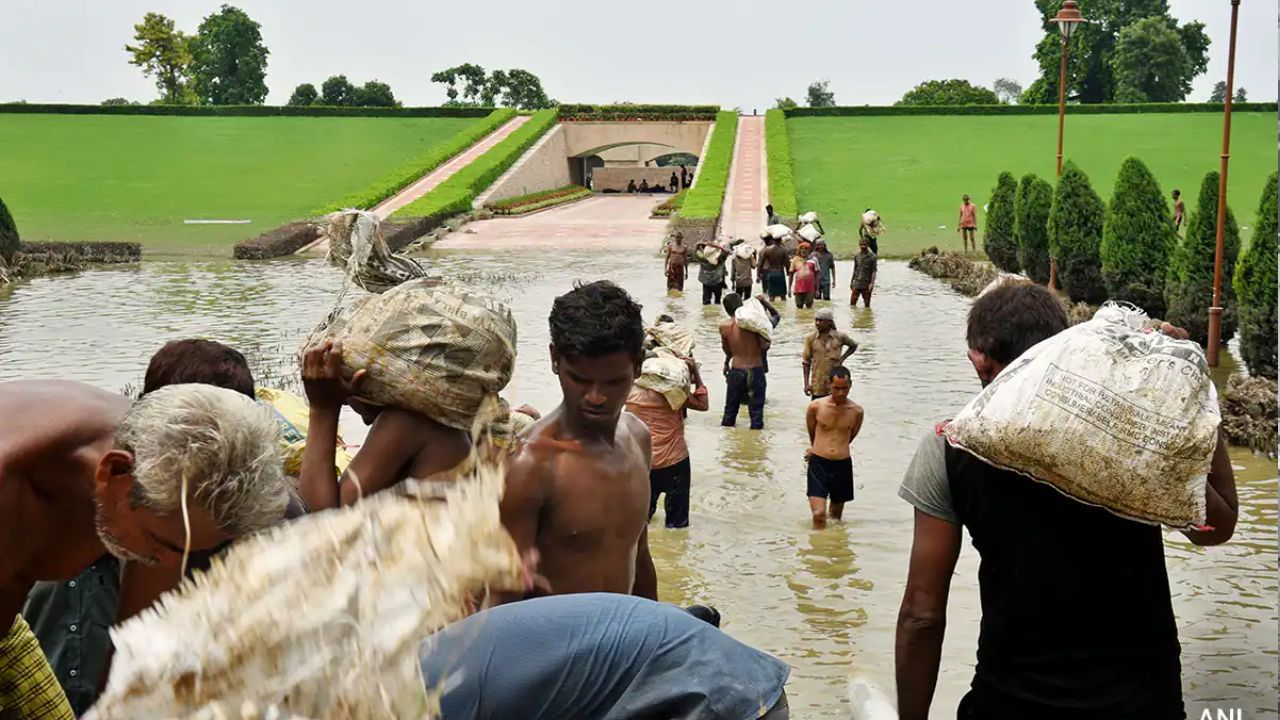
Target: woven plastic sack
668,375
744,251
1106,413
752,317
809,233
444,352
778,232
356,246
809,217
710,253
872,220
321,618
673,336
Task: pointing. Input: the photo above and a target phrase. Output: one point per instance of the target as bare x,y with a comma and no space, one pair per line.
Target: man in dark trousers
1077,620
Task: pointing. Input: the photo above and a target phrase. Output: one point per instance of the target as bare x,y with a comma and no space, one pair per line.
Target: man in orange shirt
968,224
670,469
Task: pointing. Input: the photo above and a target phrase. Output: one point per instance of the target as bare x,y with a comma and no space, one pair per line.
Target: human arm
774,316
851,346
806,362
645,584
521,506
856,428
327,391
1221,502
724,345
395,439
698,399
811,421
922,618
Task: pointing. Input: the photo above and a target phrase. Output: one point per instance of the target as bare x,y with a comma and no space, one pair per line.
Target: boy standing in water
834,421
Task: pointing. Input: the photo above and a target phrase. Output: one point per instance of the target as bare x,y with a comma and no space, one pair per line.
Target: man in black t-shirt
1077,620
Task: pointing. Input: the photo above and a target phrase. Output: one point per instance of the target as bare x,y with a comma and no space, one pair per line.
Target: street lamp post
1068,19
1215,311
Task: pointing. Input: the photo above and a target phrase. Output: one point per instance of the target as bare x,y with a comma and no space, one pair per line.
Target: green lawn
913,170
101,177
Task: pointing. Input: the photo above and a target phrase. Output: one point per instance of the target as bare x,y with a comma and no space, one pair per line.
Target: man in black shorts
834,421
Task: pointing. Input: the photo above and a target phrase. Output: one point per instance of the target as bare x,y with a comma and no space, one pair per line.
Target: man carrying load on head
1077,620
98,474
670,469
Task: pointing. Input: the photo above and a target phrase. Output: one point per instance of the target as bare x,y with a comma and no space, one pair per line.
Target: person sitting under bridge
631,185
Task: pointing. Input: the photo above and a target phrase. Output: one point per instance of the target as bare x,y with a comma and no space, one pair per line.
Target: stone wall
617,178
545,166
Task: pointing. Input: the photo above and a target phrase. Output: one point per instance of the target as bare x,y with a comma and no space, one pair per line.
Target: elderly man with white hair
84,471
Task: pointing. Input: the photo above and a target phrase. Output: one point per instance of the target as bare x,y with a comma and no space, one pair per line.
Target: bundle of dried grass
1249,413
321,618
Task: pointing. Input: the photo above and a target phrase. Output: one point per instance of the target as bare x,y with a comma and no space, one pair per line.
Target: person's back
598,656
1076,610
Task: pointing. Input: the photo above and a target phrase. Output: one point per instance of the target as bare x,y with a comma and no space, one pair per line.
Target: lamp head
1068,18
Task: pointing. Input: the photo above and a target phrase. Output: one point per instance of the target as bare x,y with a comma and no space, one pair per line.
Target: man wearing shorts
863,279
773,269
670,469
968,224
834,421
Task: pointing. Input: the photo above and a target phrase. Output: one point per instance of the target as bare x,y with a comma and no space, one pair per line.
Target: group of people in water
110,501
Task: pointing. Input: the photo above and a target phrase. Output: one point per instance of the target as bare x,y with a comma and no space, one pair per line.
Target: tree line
225,63
1129,250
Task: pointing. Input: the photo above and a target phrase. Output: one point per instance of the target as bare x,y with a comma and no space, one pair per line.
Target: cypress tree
1255,286
8,235
998,240
1035,198
1189,291
1137,239
1075,235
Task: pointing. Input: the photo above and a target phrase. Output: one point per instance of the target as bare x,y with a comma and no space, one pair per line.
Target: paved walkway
431,180
743,213
607,222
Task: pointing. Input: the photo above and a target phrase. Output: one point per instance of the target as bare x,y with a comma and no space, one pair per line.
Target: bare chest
598,501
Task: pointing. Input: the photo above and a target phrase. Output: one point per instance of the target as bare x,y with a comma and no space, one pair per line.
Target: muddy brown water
824,601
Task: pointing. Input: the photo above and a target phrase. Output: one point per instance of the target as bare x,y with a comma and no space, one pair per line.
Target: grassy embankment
136,178
913,170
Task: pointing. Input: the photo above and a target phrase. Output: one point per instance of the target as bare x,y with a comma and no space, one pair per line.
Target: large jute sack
672,335
809,217
668,375
871,219
809,233
1106,413
752,317
321,618
444,352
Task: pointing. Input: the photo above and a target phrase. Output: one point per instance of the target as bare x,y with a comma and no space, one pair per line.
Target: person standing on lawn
824,349
968,226
1179,210
826,269
670,470
833,422
863,280
1077,619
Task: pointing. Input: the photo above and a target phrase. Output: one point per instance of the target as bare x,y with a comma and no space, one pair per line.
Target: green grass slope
913,170
103,177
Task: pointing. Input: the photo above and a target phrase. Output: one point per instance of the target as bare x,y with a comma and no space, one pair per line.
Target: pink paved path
742,215
603,221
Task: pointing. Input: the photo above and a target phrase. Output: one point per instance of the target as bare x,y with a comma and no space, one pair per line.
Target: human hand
1174,331
529,410
808,453
807,391
532,580
322,376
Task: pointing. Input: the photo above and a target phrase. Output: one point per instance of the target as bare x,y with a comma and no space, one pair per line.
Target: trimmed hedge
998,240
1075,236
246,110
1031,226
1189,290
706,197
409,171
671,205
777,148
1109,109
1137,239
1255,285
9,241
651,113
455,194
539,200
284,240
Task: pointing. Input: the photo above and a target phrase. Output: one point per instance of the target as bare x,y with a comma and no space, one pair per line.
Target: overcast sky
730,52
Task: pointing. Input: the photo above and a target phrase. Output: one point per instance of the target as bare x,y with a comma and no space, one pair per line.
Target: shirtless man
401,444
744,368
1179,210
83,472
773,269
578,479
968,224
834,421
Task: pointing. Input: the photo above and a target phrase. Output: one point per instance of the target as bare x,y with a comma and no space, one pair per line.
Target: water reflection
827,601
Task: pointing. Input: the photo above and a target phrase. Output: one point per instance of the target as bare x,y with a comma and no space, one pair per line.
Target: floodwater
824,601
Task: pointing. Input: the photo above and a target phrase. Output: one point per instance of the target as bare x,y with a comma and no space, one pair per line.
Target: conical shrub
1031,229
8,235
1075,236
1189,290
1255,286
998,240
1137,239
